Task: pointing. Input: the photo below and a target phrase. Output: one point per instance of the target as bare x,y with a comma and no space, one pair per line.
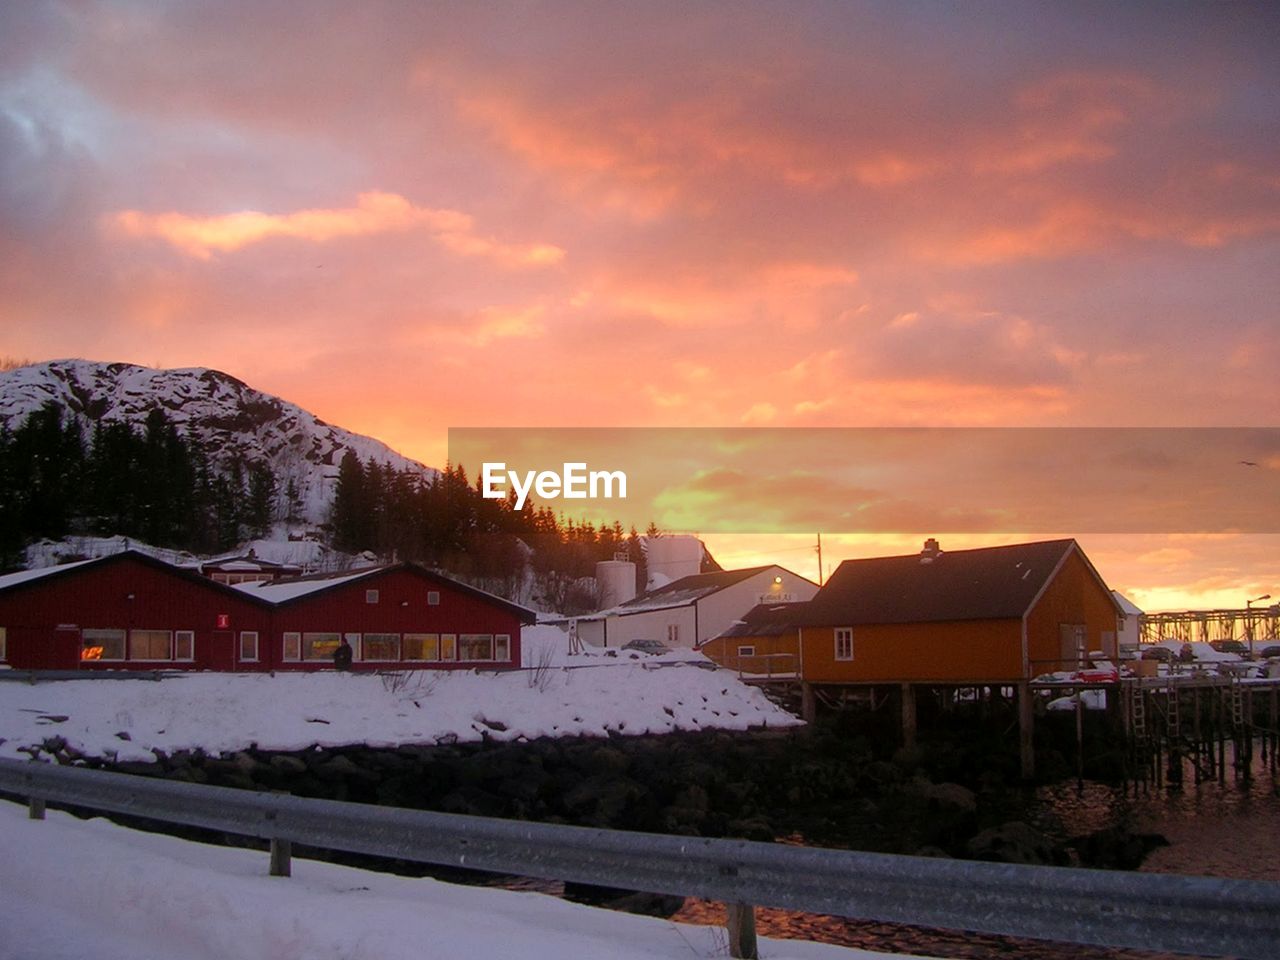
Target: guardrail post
35,808
281,857
742,931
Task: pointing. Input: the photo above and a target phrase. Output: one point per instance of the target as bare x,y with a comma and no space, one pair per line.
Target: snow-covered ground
226,712
90,889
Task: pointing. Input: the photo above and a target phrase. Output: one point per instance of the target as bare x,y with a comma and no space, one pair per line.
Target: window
371,596
102,645
421,646
4,645
844,643
433,598
381,646
150,645
319,646
502,647
248,645
292,646
475,646
746,651
448,647
673,634
184,645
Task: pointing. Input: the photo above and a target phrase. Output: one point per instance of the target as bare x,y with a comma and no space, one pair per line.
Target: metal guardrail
1157,912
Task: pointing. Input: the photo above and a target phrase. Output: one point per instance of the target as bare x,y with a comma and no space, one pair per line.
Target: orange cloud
374,213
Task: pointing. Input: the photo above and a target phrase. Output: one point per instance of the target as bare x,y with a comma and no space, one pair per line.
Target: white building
692,609
1127,637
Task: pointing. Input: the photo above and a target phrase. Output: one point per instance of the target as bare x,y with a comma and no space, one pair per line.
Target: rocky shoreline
821,786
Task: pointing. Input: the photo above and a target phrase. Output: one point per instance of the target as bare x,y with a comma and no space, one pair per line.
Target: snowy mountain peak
229,419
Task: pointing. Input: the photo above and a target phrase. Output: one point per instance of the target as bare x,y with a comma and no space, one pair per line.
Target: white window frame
124,644
4,643
315,635
421,639
189,638
473,637
433,598
245,635
673,634
168,654
449,655
502,647
844,638
291,646
746,650
371,596
364,649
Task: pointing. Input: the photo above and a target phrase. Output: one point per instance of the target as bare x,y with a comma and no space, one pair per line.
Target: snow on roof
679,593
279,592
1128,606
24,576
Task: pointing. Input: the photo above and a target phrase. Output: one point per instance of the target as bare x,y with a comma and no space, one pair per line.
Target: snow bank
78,889
128,719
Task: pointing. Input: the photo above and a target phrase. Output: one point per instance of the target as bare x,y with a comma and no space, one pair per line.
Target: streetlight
1248,618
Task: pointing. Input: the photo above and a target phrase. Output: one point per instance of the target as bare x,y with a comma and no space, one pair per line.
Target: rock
287,765
341,767
1116,848
751,828
1015,842
950,796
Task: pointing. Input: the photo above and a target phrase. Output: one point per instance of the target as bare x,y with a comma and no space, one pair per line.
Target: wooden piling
742,931
281,858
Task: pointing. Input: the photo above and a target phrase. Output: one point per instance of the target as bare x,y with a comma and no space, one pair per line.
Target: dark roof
240,563
524,614
347,577
768,620
697,583
74,569
991,583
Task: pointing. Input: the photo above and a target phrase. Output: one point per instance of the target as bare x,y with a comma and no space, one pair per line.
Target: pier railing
1196,915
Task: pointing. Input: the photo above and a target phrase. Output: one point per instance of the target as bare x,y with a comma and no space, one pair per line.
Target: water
1229,829
1223,830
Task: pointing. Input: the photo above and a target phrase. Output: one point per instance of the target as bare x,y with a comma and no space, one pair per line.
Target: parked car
651,647
1163,654
1270,650
1230,646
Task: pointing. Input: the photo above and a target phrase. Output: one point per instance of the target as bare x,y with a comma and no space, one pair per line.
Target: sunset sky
409,217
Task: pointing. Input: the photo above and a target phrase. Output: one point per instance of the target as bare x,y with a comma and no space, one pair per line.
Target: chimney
931,551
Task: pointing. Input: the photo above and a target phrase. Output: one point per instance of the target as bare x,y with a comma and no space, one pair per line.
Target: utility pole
819,559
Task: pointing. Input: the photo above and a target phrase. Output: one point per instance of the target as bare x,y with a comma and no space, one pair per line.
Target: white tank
673,557
616,580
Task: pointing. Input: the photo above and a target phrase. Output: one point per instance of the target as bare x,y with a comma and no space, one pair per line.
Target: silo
670,558
616,580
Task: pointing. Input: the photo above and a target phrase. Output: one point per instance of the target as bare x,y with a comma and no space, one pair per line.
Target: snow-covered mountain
228,418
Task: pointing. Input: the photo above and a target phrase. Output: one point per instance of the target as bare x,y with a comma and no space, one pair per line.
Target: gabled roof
23,578
292,589
272,594
768,620
246,563
684,592
990,583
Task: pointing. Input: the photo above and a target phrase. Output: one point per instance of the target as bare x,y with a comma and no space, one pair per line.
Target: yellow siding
963,651
1073,597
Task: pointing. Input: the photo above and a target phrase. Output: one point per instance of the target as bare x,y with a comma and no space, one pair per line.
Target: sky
409,217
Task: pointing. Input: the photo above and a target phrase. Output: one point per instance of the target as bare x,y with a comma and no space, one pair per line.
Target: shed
688,611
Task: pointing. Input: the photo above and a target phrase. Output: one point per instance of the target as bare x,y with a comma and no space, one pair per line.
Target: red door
222,652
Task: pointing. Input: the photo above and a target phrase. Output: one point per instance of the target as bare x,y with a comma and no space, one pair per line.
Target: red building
130,611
